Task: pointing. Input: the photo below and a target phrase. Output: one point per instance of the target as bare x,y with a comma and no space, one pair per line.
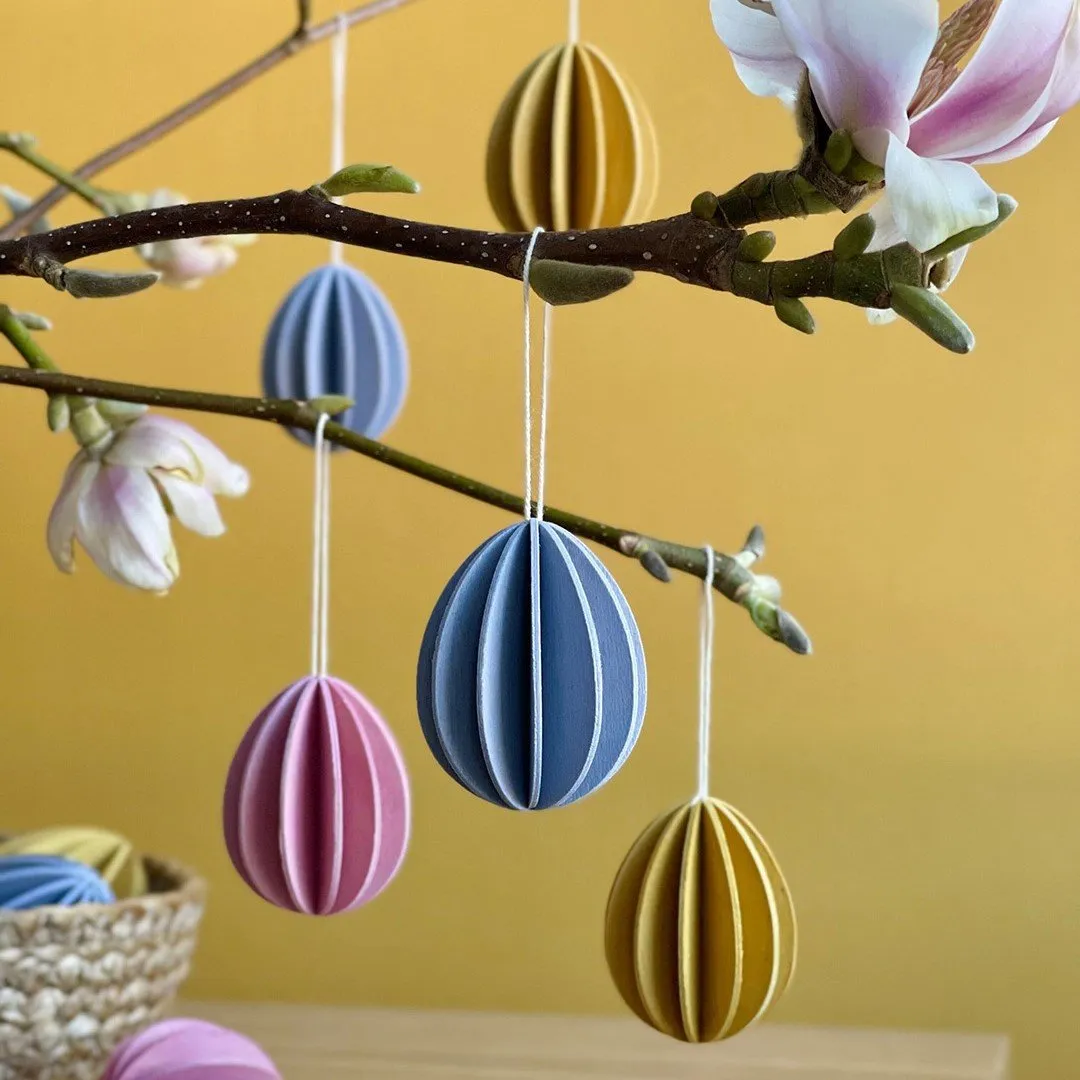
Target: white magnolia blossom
117,500
866,60
185,263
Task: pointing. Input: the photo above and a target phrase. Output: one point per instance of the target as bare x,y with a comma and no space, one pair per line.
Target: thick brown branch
733,577
304,36
690,250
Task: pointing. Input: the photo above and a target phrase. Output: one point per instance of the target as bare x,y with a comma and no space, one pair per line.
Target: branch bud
654,563
929,312
102,284
757,247
705,206
331,404
355,179
33,321
1006,207
794,313
853,240
561,283
839,151
58,413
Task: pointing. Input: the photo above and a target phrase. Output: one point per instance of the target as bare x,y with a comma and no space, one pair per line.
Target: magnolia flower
186,262
117,499
879,70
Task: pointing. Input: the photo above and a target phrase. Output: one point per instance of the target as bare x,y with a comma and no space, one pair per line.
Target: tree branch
734,578
688,248
304,35
23,147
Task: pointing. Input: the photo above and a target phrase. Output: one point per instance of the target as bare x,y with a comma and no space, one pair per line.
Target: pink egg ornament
317,806
189,1050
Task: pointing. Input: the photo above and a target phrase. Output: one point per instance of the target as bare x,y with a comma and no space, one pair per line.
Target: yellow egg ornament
572,146
110,854
700,930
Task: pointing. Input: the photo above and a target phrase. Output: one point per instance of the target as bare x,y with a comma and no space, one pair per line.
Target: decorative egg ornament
111,855
531,681
189,1050
572,146
336,333
316,809
700,929
31,881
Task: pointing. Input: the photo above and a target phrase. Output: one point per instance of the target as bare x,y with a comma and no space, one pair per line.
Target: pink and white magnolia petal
881,316
1064,95
148,443
1017,148
193,506
865,59
933,200
761,53
216,472
886,231
64,517
123,525
1006,86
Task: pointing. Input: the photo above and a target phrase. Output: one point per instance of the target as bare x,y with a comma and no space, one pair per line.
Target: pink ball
191,1050
317,800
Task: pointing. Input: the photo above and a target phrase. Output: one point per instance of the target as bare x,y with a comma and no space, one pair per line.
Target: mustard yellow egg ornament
572,146
700,930
110,854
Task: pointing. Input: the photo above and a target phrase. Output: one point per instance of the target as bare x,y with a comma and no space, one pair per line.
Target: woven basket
76,981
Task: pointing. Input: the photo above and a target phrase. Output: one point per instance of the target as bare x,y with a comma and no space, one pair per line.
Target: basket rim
186,887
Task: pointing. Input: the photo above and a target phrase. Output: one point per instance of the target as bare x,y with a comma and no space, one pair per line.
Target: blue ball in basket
33,881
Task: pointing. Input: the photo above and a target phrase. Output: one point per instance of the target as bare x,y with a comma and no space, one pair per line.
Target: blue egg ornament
531,682
336,333
32,881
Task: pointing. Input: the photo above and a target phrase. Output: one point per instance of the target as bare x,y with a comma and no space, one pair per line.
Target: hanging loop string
574,32
545,378
707,624
339,55
320,560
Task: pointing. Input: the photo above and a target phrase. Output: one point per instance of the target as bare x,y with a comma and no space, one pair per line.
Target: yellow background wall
918,776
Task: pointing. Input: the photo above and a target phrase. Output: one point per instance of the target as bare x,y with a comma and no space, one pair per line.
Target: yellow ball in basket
110,854
572,146
700,929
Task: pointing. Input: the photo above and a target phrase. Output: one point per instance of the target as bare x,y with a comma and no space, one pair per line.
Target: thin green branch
23,147
734,579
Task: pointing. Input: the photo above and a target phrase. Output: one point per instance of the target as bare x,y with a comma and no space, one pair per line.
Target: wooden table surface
321,1043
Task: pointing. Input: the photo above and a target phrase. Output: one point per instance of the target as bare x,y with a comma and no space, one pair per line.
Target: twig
22,146
734,579
199,104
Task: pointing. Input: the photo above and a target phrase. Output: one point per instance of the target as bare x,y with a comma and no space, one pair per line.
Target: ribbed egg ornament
572,146
113,856
189,1050
316,810
32,881
336,334
700,930
531,682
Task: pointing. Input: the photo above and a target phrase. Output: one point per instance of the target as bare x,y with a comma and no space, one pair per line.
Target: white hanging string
545,378
320,560
574,33
339,55
705,675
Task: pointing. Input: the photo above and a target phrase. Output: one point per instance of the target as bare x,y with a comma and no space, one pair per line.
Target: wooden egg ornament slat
519,731
700,932
572,146
336,333
189,1050
531,150
317,810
